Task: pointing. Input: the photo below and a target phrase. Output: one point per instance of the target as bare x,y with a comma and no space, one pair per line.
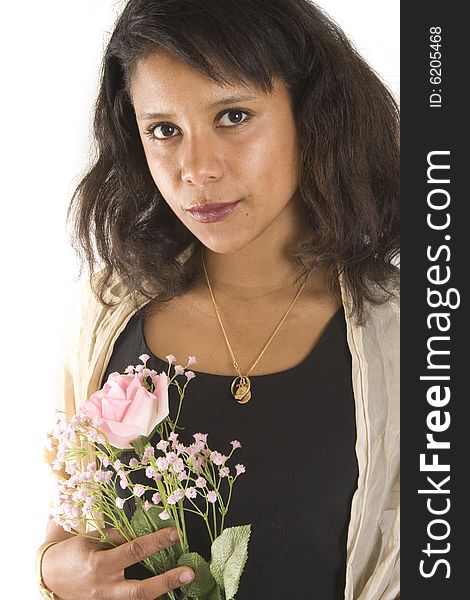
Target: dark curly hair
347,124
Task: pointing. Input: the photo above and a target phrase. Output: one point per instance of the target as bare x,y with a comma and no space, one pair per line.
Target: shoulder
375,342
385,308
92,330
117,299
390,308
101,322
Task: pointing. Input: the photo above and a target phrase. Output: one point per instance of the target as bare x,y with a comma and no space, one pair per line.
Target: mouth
210,213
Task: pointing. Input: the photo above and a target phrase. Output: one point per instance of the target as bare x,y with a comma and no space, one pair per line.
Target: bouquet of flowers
115,426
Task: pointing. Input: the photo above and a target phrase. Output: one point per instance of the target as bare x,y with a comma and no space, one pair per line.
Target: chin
222,245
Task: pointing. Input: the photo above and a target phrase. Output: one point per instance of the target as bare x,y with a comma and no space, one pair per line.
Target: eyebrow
230,100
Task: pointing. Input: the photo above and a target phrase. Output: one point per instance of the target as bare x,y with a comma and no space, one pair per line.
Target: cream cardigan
372,567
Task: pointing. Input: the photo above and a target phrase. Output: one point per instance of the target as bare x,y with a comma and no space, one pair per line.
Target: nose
200,162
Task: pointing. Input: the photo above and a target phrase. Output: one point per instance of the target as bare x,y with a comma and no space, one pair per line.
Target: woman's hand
80,568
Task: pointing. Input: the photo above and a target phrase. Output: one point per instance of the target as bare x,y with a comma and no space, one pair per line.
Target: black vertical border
423,130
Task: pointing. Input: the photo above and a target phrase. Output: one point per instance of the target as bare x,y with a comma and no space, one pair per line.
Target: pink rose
127,408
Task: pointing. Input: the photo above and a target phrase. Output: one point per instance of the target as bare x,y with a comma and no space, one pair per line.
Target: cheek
272,168
162,169
285,161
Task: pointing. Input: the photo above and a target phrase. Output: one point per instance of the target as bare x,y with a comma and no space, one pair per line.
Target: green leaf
139,445
229,553
214,594
203,583
152,516
147,521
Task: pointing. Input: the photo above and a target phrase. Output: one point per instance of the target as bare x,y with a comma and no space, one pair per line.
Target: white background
50,61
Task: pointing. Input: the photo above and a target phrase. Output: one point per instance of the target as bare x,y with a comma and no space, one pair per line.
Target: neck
265,266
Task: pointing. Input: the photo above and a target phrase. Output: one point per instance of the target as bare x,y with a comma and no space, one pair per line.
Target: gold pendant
240,389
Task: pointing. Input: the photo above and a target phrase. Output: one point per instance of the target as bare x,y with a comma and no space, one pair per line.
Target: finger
142,547
154,587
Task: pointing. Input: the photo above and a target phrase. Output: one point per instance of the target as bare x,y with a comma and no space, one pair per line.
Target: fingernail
174,535
186,576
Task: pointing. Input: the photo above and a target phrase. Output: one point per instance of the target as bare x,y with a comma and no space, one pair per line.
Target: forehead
162,79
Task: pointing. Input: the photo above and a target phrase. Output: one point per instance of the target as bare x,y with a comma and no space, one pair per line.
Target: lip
210,213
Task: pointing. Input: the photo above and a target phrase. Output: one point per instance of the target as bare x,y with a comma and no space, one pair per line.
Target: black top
298,437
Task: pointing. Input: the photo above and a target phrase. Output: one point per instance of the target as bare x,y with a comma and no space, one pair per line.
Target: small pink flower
147,505
171,457
162,463
190,375
224,471
123,483
217,458
148,452
72,512
89,501
178,466
133,462
144,358
182,476
139,490
81,493
200,437
155,377
179,447
117,465
212,497
100,476
87,511
191,492
235,444
193,449
173,437
150,472
239,469
120,502
164,515
176,496
97,421
191,360
129,370
162,445
156,498
179,493
179,369
197,463
201,482
71,468
170,358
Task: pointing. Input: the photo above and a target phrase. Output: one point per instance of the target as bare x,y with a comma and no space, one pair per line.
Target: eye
161,131
233,117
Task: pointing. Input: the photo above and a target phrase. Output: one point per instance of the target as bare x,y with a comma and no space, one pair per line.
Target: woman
244,206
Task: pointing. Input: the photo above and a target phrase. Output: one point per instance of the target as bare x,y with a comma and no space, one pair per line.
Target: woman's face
224,157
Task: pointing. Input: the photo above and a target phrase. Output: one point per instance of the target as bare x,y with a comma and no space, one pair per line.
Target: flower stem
214,516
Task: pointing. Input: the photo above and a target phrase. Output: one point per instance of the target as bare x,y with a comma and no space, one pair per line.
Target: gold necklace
241,385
